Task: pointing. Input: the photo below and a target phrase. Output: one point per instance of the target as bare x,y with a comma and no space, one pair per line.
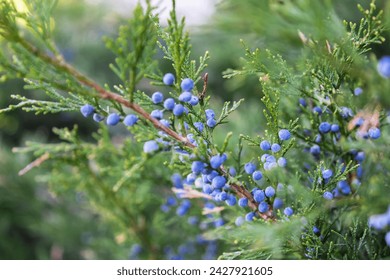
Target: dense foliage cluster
301,186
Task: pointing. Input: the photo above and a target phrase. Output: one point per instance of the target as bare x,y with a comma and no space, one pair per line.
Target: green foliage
135,47
128,187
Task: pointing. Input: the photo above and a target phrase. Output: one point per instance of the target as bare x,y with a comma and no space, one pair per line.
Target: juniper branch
103,93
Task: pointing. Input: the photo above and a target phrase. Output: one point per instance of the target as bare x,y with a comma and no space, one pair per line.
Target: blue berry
157,97
211,123
257,175
379,221
282,162
327,173
165,208
383,66
130,120
327,195
243,202
232,171
178,110
218,182
177,181
186,127
191,178
324,127
135,250
212,175
318,138
199,126
317,110
360,156
165,123
249,168
258,196
359,172
113,119
278,203
359,122
194,100
346,112
270,159
266,166
303,102
169,104
231,200
157,114
182,210
187,84
254,190
387,238
316,230
269,191
216,161
250,216
169,79
288,211
219,222
374,133
209,114
190,138
357,91
185,96
284,134
205,178
150,146
239,221
264,157
263,207
335,128
344,187
171,201
315,150
193,220
221,196
197,167
87,110
207,188
265,145
275,148
97,117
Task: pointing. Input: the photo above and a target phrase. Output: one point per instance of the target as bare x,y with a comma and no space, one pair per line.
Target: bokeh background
36,223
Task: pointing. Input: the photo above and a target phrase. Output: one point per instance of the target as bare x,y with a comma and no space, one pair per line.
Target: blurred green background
37,224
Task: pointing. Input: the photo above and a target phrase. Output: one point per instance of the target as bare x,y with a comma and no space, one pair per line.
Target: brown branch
242,192
34,163
205,82
189,192
60,64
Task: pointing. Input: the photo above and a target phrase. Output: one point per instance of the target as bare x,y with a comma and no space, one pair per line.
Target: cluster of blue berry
328,134
112,119
209,180
354,127
176,107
